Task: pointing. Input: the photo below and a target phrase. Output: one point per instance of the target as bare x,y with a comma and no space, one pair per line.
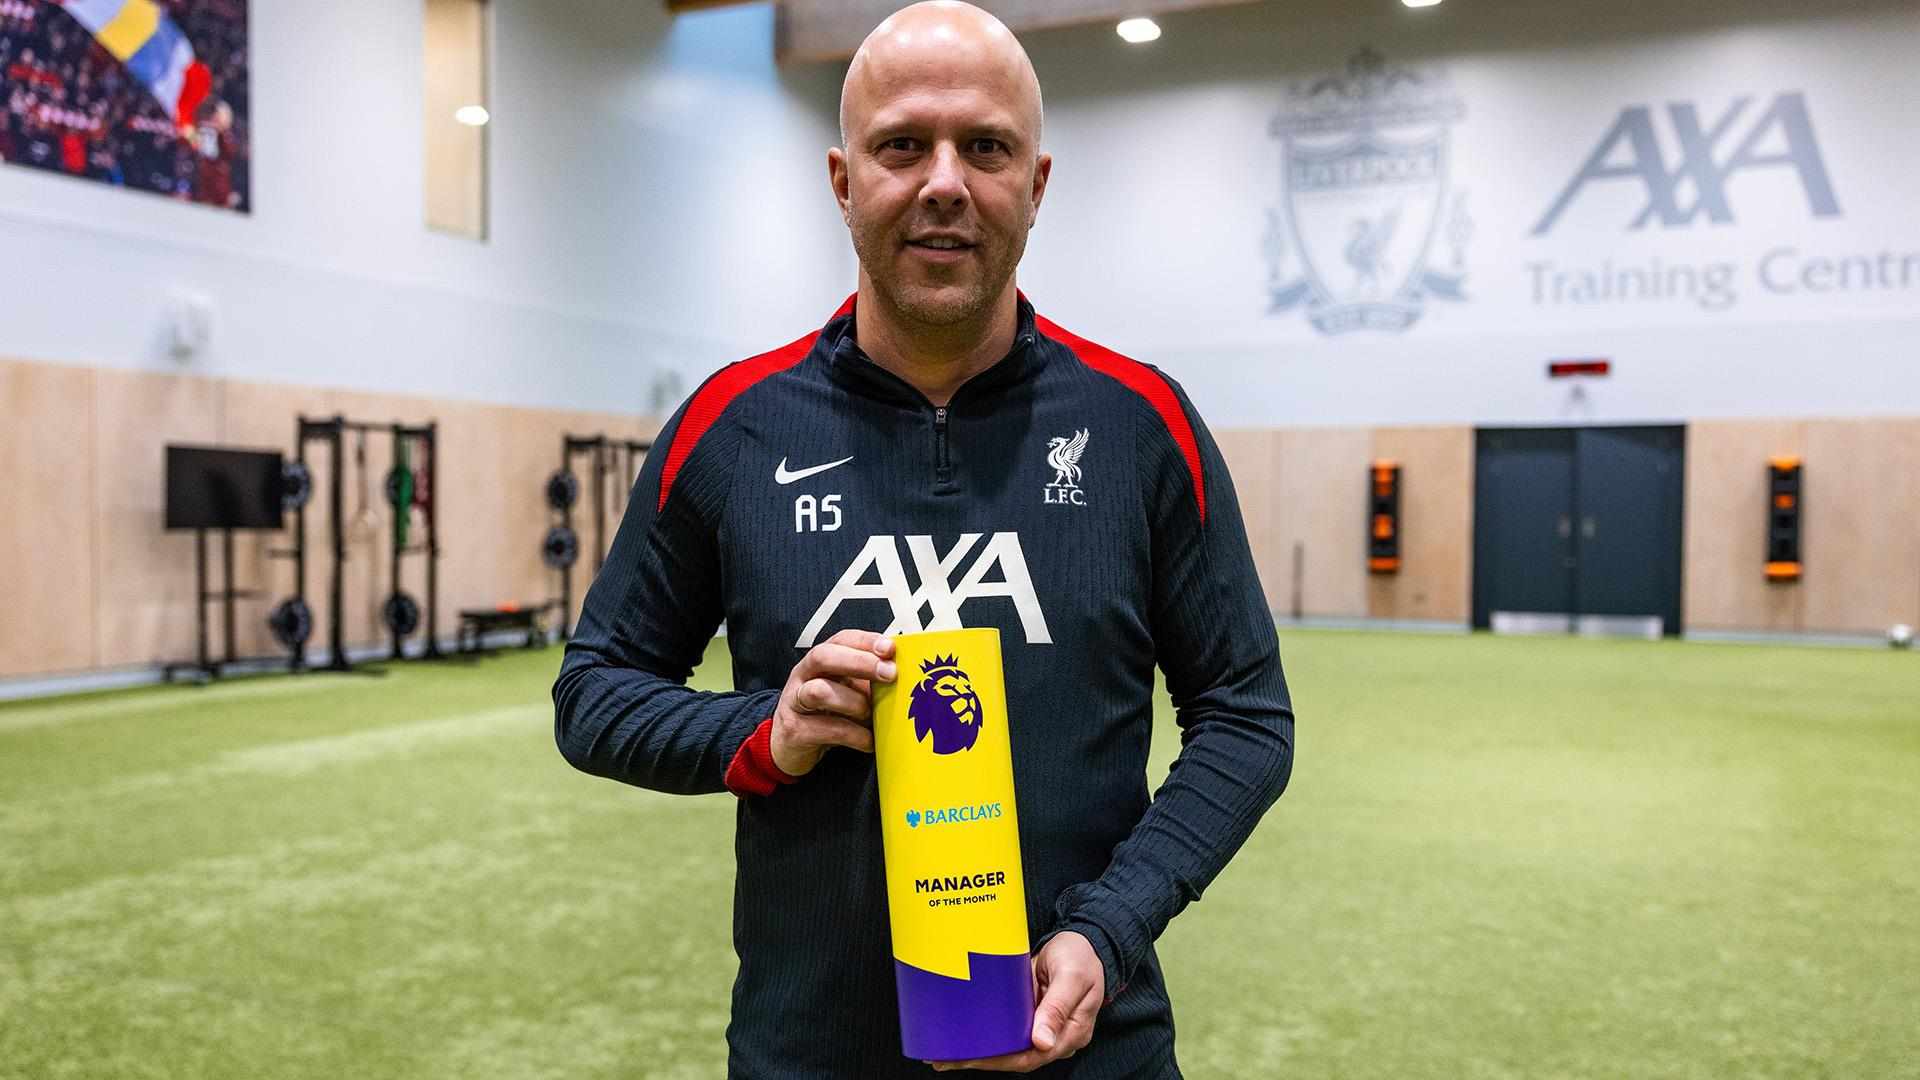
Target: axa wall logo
1685,165
1365,196
1691,185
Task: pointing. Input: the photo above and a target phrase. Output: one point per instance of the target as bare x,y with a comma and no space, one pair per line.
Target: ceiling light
1420,3
472,115
1138,31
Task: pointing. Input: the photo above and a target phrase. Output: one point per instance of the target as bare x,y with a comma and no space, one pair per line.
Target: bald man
938,455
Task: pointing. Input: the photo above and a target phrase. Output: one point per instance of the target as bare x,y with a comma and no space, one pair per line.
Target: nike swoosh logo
782,476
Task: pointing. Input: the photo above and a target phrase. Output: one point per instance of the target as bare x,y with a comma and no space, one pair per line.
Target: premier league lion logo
944,705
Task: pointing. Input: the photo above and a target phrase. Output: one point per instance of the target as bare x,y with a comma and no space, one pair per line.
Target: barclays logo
953,815
1365,195
1694,186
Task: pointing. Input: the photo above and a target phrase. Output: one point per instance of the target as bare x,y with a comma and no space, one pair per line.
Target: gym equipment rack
560,548
332,430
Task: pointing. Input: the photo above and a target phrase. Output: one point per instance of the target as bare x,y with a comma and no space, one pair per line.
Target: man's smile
940,247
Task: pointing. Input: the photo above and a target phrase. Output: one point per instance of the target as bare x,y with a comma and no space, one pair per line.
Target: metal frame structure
332,430
606,453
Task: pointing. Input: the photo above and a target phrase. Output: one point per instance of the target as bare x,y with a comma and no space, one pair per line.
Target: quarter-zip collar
849,365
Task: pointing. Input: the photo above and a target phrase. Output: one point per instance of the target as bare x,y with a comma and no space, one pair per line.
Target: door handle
1586,527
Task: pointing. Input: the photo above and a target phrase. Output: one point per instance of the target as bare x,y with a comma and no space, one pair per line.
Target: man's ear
837,178
1042,169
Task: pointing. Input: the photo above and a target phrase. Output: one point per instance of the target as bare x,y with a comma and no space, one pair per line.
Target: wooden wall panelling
1726,511
1859,537
1250,463
586,423
620,488
479,509
530,446
144,589
1321,504
48,618
503,517
532,441
1436,525
1904,487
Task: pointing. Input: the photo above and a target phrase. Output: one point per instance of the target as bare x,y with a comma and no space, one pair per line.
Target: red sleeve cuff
752,771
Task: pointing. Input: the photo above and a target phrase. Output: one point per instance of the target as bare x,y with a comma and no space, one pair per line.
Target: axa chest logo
878,573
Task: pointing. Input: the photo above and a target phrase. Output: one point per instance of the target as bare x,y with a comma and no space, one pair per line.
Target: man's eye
902,145
988,146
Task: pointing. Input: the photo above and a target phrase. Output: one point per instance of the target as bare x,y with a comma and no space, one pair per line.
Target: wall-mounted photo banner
147,94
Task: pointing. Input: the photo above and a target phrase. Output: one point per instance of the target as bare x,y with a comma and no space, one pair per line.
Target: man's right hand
828,699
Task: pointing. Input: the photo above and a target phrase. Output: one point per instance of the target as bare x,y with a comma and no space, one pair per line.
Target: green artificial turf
1499,858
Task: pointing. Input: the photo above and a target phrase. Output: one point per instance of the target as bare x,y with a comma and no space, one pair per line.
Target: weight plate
399,487
402,614
291,622
562,490
296,485
560,548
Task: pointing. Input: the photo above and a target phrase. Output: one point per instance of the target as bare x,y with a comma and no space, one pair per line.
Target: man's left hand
1072,984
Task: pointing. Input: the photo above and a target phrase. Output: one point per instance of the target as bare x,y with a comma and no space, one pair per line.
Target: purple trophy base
947,1019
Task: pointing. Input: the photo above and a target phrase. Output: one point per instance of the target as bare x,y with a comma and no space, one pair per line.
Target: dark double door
1578,523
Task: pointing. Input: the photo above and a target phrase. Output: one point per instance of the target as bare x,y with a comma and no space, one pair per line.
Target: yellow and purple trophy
955,891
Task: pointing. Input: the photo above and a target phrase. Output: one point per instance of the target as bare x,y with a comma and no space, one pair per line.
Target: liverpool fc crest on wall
1364,198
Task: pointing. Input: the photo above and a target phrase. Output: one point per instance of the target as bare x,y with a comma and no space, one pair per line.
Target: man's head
941,173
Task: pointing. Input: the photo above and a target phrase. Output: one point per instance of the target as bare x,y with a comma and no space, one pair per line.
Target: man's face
940,179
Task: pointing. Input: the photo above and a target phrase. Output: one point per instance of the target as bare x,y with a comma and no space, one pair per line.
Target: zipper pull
942,468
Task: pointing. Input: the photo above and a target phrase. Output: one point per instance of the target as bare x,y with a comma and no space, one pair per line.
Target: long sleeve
1215,641
622,709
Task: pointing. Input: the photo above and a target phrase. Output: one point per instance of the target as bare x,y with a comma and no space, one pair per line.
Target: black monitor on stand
219,488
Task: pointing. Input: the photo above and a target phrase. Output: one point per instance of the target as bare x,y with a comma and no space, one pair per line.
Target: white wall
659,204
658,201
1153,237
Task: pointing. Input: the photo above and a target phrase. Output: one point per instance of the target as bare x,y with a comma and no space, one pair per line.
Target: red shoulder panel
713,398
719,391
1149,384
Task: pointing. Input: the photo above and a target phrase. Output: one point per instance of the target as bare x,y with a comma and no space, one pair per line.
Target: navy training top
808,490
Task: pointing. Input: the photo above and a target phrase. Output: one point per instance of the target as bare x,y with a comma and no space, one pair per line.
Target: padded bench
476,623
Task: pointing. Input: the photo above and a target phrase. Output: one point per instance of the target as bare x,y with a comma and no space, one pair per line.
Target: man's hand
828,699
1068,973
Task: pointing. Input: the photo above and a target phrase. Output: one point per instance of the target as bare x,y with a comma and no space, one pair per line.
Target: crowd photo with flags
148,94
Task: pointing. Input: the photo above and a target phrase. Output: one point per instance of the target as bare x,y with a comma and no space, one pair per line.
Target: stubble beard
879,251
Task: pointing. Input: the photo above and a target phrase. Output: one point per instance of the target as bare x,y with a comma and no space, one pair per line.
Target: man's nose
946,186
